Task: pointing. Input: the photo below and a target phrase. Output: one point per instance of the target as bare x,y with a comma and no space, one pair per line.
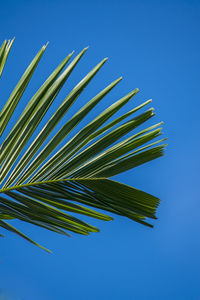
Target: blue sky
155,46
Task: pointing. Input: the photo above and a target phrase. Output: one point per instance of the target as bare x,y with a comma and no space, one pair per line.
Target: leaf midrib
17,187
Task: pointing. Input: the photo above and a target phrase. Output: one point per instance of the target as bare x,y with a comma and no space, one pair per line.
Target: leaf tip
152,110
85,49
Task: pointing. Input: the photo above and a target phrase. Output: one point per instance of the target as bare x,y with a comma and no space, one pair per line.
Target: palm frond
43,183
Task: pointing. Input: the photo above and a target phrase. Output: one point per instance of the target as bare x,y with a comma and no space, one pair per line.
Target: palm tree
41,186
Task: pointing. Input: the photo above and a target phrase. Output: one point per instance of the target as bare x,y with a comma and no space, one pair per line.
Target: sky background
155,46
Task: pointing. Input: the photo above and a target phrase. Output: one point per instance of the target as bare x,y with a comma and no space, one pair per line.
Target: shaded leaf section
43,204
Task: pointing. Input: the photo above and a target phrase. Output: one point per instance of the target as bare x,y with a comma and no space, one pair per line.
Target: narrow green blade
39,140
17,93
83,137
4,51
100,145
98,162
131,161
14,230
46,101
31,109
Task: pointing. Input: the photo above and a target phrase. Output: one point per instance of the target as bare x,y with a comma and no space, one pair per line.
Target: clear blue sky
155,46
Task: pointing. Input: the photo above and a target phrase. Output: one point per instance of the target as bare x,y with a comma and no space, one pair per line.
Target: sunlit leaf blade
101,144
18,91
114,152
44,133
2,55
36,118
130,162
30,111
4,51
50,191
84,136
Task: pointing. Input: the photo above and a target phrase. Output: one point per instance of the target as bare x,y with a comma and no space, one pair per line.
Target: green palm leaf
43,183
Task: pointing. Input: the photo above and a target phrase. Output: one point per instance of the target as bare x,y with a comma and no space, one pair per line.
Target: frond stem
17,187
